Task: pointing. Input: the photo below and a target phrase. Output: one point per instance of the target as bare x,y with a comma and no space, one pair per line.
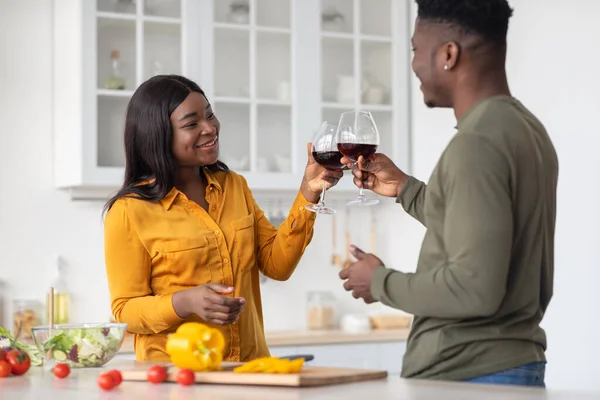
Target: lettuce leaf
6,340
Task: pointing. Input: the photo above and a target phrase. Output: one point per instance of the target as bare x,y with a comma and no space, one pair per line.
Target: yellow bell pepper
196,346
271,365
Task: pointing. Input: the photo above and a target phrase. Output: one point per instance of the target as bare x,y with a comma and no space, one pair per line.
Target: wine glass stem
323,196
360,189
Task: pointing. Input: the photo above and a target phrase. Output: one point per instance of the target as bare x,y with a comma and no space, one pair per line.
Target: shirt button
225,261
301,208
216,232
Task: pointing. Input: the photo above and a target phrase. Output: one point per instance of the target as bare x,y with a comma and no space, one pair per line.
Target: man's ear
451,54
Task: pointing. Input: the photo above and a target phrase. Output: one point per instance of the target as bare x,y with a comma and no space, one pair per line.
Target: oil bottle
62,298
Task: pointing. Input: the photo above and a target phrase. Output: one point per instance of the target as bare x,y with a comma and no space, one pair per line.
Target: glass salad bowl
80,345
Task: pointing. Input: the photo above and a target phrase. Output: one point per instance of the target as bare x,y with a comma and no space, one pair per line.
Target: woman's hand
207,302
315,176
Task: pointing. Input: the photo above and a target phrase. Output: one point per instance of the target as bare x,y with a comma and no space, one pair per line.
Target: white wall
553,66
35,220
552,69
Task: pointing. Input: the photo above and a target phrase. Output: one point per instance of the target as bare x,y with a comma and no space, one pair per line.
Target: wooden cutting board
308,377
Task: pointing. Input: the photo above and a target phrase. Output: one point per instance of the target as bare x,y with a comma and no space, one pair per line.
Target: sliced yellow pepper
271,365
196,346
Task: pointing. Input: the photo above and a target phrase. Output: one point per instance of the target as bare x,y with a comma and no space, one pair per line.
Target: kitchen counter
81,384
311,338
303,338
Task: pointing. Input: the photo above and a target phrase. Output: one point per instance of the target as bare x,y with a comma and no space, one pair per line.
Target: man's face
428,64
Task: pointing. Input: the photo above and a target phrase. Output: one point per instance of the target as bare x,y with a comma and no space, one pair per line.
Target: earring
446,67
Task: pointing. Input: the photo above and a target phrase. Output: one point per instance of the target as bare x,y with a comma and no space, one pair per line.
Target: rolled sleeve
280,250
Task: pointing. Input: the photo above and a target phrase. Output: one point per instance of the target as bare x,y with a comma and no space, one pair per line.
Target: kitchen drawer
358,356
391,355
283,351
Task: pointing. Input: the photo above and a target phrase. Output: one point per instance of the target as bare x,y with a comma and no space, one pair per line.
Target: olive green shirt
485,271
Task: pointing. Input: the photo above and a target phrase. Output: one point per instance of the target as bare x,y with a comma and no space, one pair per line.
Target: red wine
329,159
354,150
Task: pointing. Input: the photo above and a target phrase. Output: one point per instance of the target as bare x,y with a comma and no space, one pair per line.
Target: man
485,272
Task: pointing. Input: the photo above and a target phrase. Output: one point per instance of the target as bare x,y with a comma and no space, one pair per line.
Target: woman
184,238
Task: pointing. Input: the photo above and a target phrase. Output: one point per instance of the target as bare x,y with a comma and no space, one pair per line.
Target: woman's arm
280,250
128,269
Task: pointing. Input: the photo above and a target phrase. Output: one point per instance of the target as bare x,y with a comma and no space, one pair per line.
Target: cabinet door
248,76
103,50
364,61
283,351
391,355
134,41
365,355
381,356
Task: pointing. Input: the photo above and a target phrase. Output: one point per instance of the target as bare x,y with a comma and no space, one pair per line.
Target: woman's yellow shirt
154,249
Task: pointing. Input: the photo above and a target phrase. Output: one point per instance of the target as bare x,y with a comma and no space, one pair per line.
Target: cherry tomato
61,370
19,361
156,374
116,375
105,381
4,369
2,355
186,377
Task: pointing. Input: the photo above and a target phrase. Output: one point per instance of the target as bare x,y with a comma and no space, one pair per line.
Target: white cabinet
273,69
385,356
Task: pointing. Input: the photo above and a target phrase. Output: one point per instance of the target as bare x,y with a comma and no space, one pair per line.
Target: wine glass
357,135
326,154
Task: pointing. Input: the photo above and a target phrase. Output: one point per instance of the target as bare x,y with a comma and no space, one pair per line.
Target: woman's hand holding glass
325,158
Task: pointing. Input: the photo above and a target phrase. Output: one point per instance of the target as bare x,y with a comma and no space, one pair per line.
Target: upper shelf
161,9
363,17
269,14
134,17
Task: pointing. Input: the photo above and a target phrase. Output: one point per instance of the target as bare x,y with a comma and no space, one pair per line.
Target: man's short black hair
485,18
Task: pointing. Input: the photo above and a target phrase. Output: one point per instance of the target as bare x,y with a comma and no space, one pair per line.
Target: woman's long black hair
148,138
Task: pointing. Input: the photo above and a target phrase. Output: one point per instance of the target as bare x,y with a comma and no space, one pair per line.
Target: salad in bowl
80,345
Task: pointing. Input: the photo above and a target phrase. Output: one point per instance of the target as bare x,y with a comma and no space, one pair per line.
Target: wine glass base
320,209
363,201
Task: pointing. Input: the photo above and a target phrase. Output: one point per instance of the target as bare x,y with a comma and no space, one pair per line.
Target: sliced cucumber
59,355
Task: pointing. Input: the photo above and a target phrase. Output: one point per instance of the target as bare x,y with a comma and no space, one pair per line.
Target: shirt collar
168,200
213,184
460,122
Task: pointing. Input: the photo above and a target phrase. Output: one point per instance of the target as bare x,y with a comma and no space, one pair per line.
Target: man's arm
477,237
412,198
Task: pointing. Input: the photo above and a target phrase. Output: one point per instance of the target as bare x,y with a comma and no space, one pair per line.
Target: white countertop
81,384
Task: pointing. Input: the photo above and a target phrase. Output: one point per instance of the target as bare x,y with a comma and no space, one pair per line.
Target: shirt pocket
184,261
245,242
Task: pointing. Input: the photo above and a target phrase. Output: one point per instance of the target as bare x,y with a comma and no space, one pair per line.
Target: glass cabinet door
136,39
253,83
356,61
